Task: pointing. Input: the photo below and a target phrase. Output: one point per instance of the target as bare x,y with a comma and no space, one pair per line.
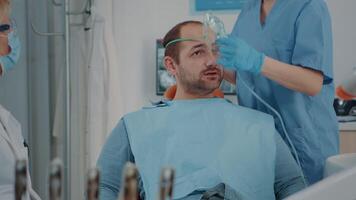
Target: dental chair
338,163
171,92
338,183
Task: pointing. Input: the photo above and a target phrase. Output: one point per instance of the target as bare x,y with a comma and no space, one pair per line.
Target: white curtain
104,88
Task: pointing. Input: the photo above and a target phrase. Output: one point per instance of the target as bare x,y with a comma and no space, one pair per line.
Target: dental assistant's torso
296,32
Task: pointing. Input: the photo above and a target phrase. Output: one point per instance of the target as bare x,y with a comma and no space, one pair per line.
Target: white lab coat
11,148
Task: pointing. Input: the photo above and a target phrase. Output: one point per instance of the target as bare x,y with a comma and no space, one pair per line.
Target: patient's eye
198,52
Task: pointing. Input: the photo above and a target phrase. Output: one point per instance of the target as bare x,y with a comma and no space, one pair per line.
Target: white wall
137,29
344,29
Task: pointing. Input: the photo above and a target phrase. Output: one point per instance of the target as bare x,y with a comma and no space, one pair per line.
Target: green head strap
180,40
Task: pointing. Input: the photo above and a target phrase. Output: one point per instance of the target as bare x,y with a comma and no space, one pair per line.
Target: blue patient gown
208,142
297,32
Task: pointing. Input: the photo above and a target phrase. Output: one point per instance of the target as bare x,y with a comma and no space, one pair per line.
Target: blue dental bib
207,142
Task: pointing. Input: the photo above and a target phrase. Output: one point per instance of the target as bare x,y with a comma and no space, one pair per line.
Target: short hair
4,8
172,50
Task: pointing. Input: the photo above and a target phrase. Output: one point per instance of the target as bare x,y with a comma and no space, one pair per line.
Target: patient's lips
212,74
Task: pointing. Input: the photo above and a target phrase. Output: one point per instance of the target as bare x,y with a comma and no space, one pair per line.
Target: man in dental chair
211,143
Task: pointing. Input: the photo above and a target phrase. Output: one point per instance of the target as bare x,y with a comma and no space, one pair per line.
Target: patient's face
197,70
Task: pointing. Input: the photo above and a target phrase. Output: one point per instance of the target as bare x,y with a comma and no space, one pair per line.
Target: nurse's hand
236,53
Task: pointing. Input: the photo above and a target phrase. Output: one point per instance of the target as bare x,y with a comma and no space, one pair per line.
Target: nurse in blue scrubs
283,50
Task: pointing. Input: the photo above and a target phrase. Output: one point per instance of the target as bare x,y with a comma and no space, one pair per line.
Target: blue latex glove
237,54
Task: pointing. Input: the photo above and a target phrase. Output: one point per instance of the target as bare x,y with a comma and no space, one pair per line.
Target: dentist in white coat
12,146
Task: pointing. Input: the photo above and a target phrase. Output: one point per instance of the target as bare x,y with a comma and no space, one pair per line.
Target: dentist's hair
172,50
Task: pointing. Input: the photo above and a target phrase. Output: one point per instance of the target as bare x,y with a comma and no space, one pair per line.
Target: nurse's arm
115,153
288,178
301,79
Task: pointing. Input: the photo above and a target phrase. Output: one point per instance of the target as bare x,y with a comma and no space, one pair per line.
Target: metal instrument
55,179
20,179
129,189
93,184
166,183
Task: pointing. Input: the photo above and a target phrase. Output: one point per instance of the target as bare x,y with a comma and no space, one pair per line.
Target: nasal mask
213,23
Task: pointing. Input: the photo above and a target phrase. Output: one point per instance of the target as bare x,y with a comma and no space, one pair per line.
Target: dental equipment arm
93,185
20,179
129,189
347,90
55,180
166,184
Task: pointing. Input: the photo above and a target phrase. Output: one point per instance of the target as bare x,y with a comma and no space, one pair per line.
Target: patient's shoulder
153,105
157,104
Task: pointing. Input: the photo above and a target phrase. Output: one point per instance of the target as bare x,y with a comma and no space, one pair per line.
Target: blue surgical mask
8,61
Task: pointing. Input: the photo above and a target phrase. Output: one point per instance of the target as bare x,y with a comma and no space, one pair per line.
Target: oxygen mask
213,23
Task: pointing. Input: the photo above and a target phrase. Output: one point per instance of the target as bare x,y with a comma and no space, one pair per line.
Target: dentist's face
4,44
197,70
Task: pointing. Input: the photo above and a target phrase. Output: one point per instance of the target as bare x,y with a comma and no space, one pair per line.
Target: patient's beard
198,86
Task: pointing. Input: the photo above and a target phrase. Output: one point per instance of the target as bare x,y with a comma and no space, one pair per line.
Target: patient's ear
170,65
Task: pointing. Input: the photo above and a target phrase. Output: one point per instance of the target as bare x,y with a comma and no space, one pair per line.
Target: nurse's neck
266,8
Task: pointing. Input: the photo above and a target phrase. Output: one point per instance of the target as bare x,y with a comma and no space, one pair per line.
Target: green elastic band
179,40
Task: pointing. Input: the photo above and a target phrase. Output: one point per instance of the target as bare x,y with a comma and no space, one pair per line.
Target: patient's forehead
196,31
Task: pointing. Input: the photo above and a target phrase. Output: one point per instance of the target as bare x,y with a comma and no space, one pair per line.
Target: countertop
348,126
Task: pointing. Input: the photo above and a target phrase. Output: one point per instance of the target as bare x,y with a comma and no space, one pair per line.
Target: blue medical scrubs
297,32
